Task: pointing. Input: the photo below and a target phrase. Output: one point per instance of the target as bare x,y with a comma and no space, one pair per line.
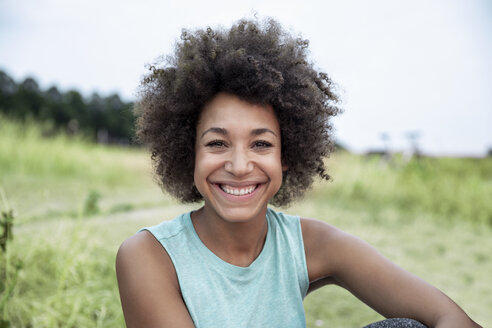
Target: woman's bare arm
337,257
149,289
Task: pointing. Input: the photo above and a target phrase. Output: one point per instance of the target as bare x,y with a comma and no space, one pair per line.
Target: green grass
432,217
450,188
51,177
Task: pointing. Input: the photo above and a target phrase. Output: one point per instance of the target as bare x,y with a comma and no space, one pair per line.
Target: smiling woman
239,119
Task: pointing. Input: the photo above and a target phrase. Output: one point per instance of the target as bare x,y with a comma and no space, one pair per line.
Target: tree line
103,119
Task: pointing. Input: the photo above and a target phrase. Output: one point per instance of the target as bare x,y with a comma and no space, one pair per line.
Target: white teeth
237,192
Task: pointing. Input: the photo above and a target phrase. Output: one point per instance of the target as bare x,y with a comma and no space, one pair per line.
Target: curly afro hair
258,62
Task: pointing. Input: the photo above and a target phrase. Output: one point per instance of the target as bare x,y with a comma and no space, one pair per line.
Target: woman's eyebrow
215,130
257,132
222,131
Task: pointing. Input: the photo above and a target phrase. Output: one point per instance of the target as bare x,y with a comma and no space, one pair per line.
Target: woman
240,119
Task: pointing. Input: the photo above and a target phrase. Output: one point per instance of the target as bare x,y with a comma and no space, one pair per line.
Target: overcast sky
402,66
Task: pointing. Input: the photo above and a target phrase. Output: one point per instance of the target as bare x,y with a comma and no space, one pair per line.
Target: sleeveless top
268,293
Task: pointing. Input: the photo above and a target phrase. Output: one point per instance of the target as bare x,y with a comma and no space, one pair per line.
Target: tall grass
51,176
27,150
429,216
449,188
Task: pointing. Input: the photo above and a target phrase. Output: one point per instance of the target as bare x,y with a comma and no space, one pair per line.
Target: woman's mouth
237,191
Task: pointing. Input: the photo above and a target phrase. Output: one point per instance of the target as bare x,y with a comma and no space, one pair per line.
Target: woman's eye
262,144
216,144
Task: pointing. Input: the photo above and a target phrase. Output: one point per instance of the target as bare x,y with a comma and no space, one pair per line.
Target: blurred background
412,176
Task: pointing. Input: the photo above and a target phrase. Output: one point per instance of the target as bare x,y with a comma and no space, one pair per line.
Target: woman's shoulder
169,228
319,235
141,242
327,248
143,255
149,288
316,228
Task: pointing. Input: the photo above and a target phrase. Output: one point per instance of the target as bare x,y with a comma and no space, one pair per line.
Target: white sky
413,65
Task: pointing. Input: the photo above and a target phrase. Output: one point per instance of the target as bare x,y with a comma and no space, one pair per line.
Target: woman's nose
239,163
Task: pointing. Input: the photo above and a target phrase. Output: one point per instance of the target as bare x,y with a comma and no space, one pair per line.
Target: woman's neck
238,243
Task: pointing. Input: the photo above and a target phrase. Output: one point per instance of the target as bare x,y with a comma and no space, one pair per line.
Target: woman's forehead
229,110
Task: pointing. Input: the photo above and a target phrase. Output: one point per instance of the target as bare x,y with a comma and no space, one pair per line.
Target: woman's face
238,166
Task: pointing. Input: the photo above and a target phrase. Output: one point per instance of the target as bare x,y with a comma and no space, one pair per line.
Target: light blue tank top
268,293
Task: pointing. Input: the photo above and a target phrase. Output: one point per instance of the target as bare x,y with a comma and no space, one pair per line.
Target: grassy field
75,202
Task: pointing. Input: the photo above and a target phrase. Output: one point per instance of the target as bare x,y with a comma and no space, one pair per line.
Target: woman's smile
228,189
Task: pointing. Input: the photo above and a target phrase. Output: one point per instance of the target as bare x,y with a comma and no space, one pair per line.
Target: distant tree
53,95
96,114
114,107
27,99
7,84
127,127
120,119
413,137
108,119
71,108
8,87
53,104
340,147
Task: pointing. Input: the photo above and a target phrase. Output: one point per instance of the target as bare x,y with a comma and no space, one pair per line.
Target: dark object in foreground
396,323
6,222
